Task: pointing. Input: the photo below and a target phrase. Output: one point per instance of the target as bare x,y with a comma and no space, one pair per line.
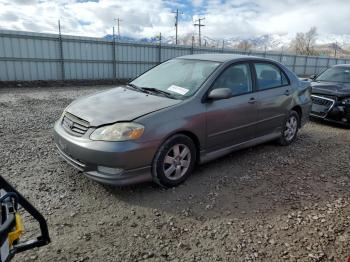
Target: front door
232,121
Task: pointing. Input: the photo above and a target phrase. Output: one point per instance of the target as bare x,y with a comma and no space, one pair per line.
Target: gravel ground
267,203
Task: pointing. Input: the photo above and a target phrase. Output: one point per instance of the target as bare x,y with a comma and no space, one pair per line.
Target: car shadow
329,123
246,183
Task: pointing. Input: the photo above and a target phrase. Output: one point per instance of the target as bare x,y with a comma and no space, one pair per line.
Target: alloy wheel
177,161
291,128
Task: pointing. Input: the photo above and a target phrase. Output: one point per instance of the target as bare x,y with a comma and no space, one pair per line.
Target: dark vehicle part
11,227
331,95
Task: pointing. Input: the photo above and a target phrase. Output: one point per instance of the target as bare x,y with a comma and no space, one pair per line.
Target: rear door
274,97
232,121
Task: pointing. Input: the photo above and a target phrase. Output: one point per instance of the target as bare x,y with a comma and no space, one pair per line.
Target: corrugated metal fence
26,56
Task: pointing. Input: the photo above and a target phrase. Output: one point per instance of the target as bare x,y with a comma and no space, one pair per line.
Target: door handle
252,100
287,93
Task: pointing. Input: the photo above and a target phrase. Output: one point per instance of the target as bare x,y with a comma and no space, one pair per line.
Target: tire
174,161
290,129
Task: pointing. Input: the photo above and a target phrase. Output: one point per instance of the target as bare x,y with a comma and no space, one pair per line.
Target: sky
224,19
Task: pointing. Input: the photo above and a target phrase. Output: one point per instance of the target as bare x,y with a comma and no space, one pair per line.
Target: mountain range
269,42
259,41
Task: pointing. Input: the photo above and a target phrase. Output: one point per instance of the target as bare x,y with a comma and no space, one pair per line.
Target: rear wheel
174,161
290,129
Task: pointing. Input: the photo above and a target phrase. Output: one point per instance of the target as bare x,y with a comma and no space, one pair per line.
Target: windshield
180,77
335,74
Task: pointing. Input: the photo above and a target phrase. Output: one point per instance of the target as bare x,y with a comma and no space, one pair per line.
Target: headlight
118,132
62,115
346,101
64,112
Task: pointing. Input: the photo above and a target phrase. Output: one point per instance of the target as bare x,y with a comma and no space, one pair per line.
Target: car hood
117,104
331,88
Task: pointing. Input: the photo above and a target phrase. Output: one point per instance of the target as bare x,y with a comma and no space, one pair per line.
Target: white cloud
249,18
140,18
197,2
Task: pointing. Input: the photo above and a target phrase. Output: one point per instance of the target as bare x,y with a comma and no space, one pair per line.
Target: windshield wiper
158,91
151,89
134,86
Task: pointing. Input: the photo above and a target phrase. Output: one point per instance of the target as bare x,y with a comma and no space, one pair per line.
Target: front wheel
174,161
290,129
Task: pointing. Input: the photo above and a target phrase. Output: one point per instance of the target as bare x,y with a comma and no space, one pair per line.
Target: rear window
269,76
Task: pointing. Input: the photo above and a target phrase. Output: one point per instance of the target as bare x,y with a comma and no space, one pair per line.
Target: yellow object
16,234
136,133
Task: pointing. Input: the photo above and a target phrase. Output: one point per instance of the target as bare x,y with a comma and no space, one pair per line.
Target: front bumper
336,112
131,161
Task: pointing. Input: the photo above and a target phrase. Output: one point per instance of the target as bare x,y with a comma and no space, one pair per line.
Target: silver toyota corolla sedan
183,112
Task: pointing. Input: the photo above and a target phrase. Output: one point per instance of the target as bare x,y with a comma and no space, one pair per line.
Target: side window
285,80
269,76
237,78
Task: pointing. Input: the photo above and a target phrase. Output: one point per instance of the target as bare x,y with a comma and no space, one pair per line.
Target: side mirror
313,77
220,93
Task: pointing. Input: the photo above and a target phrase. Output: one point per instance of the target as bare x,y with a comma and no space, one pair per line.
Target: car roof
342,65
220,57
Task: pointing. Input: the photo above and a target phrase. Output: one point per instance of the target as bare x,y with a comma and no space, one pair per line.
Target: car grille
74,125
321,105
322,101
